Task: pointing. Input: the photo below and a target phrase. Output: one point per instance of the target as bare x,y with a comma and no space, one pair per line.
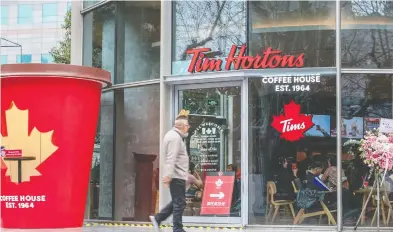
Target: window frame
48,57
6,59
20,59
25,18
52,13
4,17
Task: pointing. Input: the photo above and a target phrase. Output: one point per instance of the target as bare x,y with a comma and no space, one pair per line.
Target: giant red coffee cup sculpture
49,112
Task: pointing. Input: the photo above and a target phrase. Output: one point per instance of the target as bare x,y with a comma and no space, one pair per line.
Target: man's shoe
156,226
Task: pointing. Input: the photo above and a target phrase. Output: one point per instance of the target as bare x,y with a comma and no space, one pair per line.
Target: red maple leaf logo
292,125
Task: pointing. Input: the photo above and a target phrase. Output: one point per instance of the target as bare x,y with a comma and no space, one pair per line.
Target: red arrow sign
217,195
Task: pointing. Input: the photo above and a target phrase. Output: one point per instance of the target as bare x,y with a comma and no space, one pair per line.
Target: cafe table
365,192
19,159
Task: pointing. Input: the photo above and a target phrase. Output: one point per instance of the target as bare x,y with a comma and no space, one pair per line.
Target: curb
114,224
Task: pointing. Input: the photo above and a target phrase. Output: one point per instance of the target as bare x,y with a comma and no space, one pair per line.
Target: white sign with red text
12,153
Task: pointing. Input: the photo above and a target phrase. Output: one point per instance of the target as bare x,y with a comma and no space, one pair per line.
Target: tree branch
209,37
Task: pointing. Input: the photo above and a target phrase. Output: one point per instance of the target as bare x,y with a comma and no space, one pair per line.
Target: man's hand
167,180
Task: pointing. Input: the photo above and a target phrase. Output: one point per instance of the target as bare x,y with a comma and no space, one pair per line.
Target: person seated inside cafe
315,190
284,179
330,174
312,180
330,178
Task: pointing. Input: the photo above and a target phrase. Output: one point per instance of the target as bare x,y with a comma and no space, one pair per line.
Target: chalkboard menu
205,142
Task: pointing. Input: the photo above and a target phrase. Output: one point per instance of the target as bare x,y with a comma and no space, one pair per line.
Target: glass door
214,148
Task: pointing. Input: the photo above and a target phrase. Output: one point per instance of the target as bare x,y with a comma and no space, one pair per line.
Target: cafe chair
276,204
301,215
296,184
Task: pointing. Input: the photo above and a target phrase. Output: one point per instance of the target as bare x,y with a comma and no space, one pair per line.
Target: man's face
185,127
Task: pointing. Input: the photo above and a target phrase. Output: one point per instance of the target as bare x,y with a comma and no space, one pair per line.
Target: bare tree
367,44
216,24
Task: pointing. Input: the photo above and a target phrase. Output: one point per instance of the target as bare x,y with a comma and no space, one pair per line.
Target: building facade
237,66
30,29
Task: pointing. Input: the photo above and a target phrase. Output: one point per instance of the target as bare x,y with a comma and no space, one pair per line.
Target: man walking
175,174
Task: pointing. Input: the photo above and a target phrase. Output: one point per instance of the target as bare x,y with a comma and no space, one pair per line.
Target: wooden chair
301,215
276,204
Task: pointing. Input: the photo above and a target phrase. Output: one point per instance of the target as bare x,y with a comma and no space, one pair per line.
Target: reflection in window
139,41
46,58
367,35
3,59
88,3
100,198
275,162
23,58
25,14
99,38
49,12
366,98
4,15
137,124
211,24
295,27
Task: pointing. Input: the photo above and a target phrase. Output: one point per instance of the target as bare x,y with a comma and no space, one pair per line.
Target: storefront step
108,223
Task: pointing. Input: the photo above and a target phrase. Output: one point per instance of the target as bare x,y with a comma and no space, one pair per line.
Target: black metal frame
16,45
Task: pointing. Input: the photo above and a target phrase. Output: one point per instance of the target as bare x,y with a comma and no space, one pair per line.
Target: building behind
30,29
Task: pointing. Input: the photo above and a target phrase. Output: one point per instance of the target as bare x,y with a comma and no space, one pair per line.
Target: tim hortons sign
270,58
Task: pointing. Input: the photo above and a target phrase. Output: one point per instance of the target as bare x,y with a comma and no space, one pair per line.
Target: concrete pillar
76,32
166,106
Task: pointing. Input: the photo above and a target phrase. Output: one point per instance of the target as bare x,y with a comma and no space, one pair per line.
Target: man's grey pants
176,207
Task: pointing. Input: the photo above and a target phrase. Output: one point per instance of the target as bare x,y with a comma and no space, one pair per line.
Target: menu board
351,128
321,126
371,124
205,146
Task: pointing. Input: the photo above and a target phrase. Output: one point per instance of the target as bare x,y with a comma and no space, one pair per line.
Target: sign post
217,195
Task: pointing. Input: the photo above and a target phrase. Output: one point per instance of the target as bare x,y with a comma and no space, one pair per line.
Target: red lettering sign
270,59
292,124
13,153
217,195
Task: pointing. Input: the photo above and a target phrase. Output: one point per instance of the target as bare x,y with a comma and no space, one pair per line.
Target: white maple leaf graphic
37,144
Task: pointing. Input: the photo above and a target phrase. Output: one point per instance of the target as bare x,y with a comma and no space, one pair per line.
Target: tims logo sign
292,124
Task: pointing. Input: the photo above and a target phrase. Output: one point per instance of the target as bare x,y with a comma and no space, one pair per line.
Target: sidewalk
118,229
150,229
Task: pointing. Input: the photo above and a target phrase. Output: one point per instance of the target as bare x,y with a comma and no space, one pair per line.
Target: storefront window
285,173
367,34
99,38
137,152
294,27
124,36
366,98
206,24
138,41
214,146
88,3
99,203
